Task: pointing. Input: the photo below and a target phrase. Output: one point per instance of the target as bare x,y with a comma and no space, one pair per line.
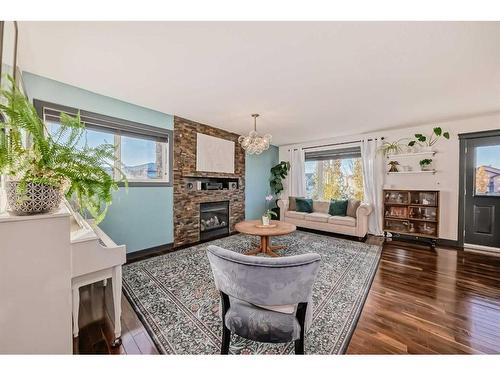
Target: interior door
482,192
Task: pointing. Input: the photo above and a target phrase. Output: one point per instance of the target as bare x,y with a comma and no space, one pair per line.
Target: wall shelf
414,172
411,154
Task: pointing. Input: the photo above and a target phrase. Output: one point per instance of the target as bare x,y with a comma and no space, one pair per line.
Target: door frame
463,141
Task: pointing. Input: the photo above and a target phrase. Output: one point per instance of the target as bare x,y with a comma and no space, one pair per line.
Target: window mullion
118,156
165,161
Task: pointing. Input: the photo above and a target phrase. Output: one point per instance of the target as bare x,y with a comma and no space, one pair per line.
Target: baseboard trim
332,234
423,241
449,243
166,248
149,252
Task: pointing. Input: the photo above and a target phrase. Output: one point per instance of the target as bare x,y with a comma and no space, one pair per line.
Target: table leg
257,250
270,248
277,247
265,247
264,241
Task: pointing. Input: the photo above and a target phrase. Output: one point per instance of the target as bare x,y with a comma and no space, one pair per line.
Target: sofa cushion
292,206
338,207
342,220
304,205
317,216
352,207
295,215
321,206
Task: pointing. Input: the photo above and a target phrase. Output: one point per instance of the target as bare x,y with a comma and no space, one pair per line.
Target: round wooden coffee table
254,227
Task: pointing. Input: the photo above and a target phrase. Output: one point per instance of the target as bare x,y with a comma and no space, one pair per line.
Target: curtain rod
339,144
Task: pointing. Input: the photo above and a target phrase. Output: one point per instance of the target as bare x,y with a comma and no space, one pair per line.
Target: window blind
341,153
52,112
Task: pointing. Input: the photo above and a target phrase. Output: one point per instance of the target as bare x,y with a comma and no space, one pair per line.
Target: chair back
263,280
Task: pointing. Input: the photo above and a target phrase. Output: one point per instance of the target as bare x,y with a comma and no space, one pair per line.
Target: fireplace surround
187,197
214,219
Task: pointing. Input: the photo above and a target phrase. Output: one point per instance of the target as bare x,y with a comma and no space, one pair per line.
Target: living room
245,190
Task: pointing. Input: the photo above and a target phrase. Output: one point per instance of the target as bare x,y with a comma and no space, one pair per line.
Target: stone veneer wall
187,203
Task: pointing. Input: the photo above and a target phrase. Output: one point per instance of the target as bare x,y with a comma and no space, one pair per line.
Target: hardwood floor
421,301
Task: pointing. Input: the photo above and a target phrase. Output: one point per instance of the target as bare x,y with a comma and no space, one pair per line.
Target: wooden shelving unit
413,213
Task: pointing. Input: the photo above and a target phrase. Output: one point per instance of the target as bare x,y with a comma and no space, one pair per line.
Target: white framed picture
214,154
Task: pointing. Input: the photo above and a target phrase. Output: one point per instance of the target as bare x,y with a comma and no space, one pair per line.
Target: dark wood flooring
421,301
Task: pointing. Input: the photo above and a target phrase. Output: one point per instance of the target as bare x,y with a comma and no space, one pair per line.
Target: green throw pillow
304,205
338,207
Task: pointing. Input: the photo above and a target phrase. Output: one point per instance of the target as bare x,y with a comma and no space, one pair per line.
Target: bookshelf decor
412,213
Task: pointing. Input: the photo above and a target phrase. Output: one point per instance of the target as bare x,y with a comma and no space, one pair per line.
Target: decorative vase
265,220
37,199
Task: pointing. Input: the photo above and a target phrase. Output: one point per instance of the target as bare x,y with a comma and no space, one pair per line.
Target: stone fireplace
189,199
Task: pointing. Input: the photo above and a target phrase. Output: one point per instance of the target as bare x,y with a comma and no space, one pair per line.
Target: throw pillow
352,207
304,205
291,204
338,207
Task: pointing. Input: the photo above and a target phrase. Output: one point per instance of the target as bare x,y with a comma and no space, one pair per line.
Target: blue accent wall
257,174
142,217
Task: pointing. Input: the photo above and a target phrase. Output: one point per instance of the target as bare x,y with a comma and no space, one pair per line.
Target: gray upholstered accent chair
264,299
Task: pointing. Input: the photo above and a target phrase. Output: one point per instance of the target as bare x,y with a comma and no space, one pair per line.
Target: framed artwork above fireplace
214,154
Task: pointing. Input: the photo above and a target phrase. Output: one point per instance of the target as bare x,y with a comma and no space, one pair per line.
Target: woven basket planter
38,199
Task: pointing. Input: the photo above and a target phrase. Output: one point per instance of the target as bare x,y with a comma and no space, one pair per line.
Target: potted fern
40,171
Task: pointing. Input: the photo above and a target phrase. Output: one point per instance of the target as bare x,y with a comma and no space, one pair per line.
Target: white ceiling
308,80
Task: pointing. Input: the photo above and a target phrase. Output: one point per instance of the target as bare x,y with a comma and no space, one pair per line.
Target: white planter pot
265,220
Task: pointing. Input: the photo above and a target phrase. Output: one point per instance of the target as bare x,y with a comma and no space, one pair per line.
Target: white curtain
373,177
296,175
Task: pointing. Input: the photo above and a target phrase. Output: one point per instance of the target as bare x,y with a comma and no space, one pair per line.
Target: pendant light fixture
253,143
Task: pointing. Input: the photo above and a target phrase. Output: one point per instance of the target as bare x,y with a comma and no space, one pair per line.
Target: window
92,138
143,159
143,151
334,174
487,170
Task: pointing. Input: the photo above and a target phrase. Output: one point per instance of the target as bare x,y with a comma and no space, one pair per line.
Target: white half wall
446,161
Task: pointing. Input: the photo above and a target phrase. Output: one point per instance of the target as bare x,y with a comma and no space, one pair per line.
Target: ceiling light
253,143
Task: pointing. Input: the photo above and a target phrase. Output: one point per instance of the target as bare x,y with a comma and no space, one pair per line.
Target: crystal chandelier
253,143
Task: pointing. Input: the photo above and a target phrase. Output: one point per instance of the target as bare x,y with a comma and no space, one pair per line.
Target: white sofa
319,219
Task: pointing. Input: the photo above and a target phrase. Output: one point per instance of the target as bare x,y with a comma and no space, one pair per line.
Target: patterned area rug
175,297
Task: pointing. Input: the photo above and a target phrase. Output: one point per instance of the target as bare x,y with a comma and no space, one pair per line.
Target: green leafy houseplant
429,141
278,173
425,164
393,166
395,147
53,161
